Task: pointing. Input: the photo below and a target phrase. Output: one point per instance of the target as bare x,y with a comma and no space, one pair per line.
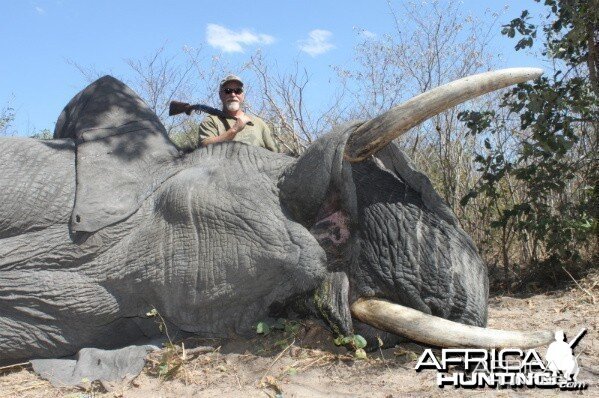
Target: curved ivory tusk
440,332
380,131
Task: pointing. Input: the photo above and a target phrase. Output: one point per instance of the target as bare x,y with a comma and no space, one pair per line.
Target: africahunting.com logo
510,367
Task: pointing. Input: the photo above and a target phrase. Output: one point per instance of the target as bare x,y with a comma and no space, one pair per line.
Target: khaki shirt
258,135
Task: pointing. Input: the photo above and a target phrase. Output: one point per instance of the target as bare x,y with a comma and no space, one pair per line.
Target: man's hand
240,123
230,134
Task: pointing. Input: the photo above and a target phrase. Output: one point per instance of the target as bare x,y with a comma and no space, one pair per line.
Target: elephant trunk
380,131
429,329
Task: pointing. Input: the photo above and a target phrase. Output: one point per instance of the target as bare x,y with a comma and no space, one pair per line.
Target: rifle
176,108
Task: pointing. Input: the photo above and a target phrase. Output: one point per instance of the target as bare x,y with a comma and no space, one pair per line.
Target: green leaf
262,328
359,341
360,354
162,369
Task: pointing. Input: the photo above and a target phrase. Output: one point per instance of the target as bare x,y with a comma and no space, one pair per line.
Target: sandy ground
304,363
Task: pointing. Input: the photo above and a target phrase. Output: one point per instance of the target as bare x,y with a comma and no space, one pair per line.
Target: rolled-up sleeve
207,129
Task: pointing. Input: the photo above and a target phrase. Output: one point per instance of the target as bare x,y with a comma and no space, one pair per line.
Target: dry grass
306,363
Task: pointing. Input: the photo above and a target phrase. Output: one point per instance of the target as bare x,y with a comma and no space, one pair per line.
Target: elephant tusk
433,330
380,131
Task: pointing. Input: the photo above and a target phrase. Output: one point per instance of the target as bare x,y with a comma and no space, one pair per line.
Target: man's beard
232,106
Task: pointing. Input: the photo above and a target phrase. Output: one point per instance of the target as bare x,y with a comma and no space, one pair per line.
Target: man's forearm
228,135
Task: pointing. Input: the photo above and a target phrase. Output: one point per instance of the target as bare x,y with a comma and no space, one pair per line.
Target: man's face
232,96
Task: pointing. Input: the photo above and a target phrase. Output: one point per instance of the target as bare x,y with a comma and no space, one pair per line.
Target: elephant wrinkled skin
110,220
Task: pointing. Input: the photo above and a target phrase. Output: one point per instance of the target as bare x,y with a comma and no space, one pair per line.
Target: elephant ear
123,152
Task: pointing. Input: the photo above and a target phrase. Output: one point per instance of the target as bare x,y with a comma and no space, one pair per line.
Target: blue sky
41,39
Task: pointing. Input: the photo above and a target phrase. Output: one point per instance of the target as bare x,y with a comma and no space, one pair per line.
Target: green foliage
262,328
354,342
282,333
185,137
556,162
288,327
169,363
569,35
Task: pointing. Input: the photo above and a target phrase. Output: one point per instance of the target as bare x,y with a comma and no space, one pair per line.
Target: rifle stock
177,108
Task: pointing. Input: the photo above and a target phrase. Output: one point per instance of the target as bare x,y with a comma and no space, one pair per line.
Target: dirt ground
303,362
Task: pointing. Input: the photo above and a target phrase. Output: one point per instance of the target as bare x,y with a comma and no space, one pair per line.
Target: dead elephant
111,220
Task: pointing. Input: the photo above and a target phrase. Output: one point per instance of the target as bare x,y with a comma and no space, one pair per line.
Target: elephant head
110,220
410,267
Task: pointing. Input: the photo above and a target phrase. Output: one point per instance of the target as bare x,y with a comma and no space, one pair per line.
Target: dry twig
277,358
13,366
580,287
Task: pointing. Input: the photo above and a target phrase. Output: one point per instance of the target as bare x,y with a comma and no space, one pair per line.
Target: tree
7,115
431,43
159,79
44,134
284,105
555,167
162,77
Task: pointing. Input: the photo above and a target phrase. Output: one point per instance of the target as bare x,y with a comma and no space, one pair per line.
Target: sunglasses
233,90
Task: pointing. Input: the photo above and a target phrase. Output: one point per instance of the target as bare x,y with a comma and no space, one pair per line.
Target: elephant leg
55,313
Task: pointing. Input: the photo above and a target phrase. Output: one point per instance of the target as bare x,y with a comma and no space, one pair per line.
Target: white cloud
368,34
234,42
317,43
39,10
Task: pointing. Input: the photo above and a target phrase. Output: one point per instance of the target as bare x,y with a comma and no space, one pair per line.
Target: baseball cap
231,78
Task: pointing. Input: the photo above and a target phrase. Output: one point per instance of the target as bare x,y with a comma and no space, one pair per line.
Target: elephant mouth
440,332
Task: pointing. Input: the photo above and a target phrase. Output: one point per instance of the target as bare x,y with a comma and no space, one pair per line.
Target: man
234,127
